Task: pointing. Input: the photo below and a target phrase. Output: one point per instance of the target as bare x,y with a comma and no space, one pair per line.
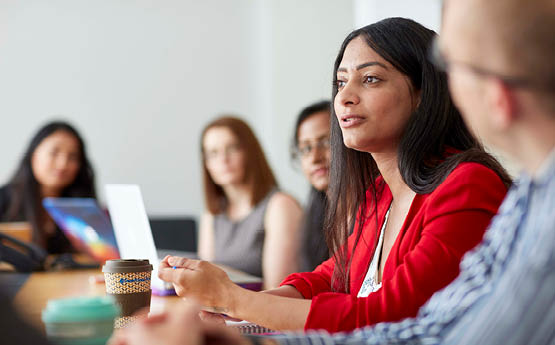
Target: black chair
174,233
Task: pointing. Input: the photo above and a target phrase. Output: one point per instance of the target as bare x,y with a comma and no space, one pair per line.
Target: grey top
238,244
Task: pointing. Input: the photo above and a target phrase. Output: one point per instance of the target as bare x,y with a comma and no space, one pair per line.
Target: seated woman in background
405,169
54,165
249,224
311,146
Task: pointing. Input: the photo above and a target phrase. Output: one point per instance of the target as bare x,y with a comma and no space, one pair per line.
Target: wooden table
19,230
31,299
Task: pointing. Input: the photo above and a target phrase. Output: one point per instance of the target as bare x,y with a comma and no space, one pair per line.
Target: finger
164,262
176,276
211,317
231,318
156,318
168,274
182,262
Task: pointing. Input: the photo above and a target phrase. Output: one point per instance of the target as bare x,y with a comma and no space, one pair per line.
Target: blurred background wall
140,78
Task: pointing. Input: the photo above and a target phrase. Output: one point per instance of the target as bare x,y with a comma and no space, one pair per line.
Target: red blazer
439,228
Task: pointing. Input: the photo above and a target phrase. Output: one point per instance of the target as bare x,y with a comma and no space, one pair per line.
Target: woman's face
56,160
313,138
374,100
224,157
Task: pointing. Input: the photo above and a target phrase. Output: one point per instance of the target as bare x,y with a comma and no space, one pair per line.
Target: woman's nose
62,161
316,154
348,95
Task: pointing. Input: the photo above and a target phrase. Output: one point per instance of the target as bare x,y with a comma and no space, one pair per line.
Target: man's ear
502,102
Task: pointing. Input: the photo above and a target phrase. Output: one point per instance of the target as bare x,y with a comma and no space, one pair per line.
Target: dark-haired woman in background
311,147
55,164
405,169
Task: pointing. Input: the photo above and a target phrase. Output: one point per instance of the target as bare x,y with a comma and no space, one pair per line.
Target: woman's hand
181,326
215,318
200,280
210,286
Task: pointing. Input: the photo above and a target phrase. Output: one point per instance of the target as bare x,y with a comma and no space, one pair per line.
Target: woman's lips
320,172
60,173
348,121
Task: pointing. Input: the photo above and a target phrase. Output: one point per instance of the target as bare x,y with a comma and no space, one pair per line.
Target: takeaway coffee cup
128,281
80,320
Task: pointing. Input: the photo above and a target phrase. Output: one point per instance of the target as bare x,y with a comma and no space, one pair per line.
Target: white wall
305,38
140,79
425,12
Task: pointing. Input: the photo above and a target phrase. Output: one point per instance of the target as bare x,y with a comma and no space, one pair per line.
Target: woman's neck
389,170
239,200
52,192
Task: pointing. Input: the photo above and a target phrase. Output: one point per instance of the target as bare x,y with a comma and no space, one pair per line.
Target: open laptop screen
85,225
131,226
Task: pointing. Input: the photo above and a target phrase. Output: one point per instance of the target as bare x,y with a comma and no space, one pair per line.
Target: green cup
80,320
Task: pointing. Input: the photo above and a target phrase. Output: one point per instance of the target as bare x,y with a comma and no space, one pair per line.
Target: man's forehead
458,23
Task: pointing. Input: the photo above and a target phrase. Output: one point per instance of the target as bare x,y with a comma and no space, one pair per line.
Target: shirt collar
546,170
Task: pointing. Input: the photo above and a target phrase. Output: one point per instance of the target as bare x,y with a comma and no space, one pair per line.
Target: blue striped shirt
505,293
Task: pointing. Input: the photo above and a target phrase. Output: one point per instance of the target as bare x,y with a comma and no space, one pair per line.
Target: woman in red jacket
405,168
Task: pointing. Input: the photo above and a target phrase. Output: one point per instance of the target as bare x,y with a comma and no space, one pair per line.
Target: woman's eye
74,157
341,84
371,80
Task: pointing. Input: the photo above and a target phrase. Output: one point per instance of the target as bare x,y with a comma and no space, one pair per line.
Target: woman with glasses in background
311,148
249,224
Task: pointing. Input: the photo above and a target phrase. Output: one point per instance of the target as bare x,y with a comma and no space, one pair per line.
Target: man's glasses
441,62
306,149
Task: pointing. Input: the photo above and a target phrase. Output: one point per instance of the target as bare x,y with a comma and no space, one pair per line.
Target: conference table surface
40,287
31,299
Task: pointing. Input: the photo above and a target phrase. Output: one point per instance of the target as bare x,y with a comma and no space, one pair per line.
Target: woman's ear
416,98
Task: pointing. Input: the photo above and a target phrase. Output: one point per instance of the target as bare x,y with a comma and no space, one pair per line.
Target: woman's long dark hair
434,141
313,247
24,188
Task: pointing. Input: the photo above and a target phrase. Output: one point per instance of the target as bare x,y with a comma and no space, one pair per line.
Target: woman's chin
355,144
320,186
229,181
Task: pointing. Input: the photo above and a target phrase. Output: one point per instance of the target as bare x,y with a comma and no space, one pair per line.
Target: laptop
85,224
132,230
135,241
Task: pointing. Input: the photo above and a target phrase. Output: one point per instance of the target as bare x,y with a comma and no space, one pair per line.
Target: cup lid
77,309
126,265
